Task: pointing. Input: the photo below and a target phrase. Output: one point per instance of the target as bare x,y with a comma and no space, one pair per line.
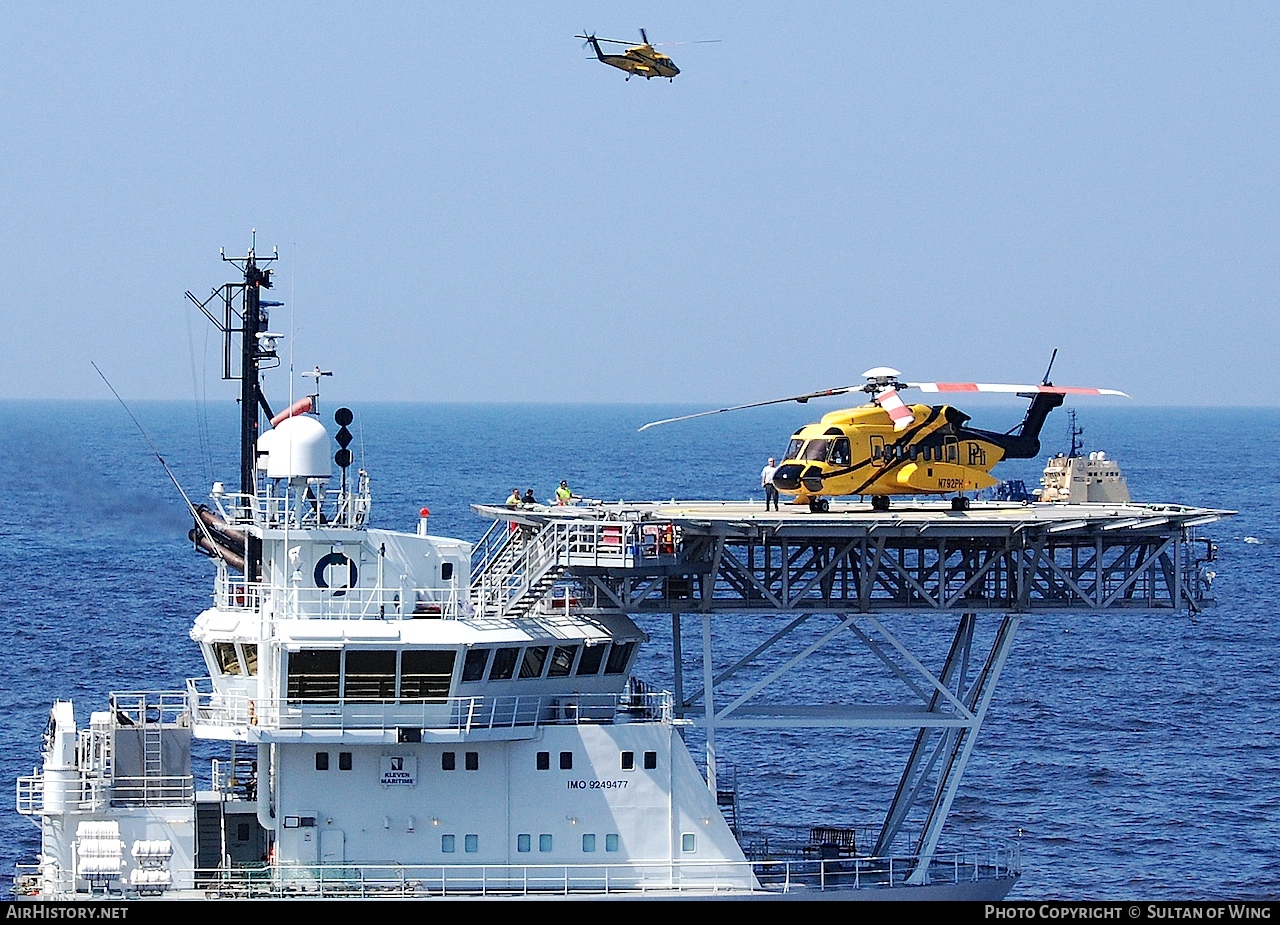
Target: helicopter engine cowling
787,478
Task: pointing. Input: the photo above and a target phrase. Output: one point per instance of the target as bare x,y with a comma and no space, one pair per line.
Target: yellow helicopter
888,447
643,59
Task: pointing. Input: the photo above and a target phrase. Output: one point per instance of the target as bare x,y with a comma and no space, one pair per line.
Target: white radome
298,448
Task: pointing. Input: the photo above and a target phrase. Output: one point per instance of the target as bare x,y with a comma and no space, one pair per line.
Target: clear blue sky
467,208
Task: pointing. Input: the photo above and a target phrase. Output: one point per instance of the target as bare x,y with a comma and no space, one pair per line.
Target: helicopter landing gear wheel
819,505
960,504
880,503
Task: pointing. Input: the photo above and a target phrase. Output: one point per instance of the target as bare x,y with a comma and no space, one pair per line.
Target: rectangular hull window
371,675
425,674
592,656
619,657
313,676
561,662
504,664
534,658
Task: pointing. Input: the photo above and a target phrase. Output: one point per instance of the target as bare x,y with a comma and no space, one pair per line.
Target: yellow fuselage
856,451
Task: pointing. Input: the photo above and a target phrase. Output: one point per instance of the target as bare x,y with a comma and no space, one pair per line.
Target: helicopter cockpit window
839,455
816,449
793,449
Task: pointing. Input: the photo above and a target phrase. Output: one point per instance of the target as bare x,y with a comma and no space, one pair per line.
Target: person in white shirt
766,482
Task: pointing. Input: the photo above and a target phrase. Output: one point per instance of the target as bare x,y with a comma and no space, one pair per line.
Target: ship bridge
848,583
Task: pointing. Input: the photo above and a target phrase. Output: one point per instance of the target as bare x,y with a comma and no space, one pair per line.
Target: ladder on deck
522,571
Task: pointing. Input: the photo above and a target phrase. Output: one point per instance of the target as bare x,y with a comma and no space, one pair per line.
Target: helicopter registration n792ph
887,447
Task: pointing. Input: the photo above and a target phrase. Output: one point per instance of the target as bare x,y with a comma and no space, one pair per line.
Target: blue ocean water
1134,756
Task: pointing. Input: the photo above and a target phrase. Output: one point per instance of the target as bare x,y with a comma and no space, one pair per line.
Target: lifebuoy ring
335,558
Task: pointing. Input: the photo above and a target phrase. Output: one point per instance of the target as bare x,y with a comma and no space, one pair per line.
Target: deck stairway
511,574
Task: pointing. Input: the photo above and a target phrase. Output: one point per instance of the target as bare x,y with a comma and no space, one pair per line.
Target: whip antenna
169,472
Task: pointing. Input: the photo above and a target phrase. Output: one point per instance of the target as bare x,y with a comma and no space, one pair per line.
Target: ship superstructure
1092,478
404,714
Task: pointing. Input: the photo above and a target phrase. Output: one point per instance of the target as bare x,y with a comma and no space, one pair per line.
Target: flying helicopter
643,59
888,447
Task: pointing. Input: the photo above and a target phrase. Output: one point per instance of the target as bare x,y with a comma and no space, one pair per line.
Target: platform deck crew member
766,482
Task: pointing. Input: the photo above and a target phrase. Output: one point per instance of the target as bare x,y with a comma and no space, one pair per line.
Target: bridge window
371,675
504,664
425,673
535,657
313,675
224,653
562,661
619,657
592,656
474,664
250,659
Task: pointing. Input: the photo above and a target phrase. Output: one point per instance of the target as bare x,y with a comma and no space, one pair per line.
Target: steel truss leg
946,750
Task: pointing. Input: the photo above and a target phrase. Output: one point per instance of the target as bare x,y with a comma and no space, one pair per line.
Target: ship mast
1076,432
244,315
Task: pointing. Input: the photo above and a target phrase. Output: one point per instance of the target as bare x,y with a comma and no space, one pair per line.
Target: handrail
465,714
639,877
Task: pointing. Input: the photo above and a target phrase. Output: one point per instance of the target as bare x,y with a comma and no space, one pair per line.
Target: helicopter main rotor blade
1003,387
899,413
758,404
598,39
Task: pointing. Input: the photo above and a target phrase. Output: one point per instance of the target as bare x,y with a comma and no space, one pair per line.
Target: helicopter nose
787,478
812,479
674,70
